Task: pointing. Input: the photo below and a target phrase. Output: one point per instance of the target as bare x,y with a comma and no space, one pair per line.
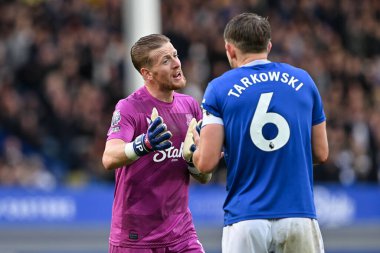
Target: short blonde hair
141,49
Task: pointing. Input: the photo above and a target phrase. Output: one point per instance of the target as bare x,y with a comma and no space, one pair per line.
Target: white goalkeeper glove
189,146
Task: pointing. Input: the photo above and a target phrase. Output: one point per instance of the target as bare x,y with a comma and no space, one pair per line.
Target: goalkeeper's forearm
118,153
114,155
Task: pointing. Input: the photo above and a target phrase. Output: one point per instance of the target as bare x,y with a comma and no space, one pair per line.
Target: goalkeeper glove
189,146
156,138
199,126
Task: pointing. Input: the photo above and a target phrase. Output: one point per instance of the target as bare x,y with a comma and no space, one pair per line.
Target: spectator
51,52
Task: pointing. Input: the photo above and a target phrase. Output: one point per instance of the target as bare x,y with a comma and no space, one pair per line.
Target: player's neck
164,96
247,58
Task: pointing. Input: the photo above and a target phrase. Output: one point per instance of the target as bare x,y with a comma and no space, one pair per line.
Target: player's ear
146,74
230,50
269,47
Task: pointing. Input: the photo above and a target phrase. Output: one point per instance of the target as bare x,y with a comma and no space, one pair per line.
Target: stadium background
62,70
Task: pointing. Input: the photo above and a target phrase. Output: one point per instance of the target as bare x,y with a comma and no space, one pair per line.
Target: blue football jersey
268,110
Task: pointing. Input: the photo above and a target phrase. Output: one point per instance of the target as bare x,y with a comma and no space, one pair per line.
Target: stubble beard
180,85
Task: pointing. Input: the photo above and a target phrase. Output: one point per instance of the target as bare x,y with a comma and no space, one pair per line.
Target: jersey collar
256,62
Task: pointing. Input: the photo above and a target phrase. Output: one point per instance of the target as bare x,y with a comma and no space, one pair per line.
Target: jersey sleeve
122,124
318,112
211,112
210,103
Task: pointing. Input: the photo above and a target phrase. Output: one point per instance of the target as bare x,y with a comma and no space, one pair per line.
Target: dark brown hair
249,32
141,49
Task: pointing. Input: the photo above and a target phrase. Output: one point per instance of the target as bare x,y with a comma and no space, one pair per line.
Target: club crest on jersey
115,118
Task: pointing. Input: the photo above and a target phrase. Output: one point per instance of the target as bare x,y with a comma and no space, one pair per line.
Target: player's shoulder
186,103
227,74
297,72
131,102
184,97
127,102
222,78
291,68
125,107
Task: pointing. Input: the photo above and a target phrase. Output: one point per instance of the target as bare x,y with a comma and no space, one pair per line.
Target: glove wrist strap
139,145
130,152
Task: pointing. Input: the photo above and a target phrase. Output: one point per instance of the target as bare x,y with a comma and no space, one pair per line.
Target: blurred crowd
62,71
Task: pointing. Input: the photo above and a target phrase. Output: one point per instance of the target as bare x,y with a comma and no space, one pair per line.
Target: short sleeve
318,111
122,123
210,103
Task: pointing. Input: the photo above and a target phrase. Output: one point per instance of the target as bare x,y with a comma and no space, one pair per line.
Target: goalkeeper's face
166,69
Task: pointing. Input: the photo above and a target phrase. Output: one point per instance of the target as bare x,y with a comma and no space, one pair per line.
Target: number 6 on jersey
262,117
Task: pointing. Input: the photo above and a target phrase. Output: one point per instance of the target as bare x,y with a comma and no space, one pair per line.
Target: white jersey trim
208,118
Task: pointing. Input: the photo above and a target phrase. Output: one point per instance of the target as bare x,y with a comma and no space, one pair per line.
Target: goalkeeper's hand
157,137
189,145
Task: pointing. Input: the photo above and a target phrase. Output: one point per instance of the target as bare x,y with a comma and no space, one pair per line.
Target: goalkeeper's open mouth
178,75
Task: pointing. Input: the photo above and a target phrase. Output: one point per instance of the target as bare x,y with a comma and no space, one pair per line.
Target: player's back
268,110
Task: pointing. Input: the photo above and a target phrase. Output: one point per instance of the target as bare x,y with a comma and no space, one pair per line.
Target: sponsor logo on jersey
169,153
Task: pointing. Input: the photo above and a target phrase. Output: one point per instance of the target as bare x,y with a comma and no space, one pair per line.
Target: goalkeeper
150,209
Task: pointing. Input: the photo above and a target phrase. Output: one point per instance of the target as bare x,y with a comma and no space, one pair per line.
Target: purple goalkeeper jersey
150,207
